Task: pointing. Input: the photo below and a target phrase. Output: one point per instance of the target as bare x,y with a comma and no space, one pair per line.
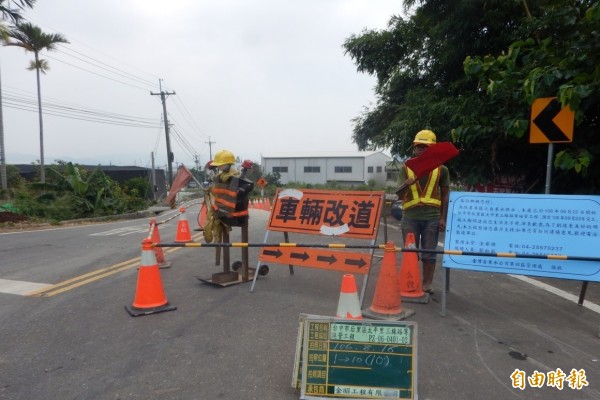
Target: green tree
14,14
419,63
558,55
31,38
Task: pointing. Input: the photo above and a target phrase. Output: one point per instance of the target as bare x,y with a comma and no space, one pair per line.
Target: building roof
323,154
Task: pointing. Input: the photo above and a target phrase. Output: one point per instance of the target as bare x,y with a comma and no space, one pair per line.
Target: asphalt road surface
75,340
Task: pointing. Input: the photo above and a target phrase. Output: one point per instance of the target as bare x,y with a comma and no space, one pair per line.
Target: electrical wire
78,112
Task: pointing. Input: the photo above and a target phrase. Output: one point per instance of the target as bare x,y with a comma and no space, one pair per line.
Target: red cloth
181,180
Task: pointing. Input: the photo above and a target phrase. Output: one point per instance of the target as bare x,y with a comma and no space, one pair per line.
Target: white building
344,167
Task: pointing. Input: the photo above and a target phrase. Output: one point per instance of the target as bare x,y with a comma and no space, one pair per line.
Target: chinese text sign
331,213
524,224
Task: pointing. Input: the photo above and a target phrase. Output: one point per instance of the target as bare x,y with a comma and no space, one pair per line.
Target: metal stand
235,273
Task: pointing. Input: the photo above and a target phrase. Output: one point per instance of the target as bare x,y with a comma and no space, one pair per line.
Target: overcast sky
254,76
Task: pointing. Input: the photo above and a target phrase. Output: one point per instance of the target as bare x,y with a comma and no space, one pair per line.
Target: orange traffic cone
267,204
348,305
158,251
183,233
409,279
387,303
149,294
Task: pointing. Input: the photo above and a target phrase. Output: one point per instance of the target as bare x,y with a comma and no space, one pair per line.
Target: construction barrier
383,247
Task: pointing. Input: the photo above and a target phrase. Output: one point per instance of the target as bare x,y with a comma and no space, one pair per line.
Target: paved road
232,344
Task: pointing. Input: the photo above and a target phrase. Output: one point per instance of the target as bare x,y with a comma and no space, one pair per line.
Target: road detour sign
349,359
350,214
327,212
344,261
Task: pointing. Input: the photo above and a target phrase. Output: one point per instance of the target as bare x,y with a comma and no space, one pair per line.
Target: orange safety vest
226,198
427,196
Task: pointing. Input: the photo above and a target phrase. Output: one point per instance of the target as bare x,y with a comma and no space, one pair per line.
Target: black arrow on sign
330,259
360,262
276,253
302,256
547,126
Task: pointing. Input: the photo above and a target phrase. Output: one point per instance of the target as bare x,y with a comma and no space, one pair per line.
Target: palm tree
15,16
13,13
31,38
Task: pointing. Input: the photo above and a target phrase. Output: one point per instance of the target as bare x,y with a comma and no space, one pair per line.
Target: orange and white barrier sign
345,261
332,213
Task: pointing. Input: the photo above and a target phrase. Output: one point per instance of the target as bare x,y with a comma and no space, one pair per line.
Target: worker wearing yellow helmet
424,205
227,198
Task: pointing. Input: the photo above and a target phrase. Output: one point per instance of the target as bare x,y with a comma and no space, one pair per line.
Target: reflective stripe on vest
225,197
430,196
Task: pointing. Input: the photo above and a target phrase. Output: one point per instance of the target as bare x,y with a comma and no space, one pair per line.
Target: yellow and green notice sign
357,359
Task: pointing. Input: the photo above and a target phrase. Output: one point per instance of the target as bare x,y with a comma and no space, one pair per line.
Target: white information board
524,224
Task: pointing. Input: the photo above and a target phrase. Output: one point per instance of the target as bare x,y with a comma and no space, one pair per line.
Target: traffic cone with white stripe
409,279
158,251
183,234
149,294
348,304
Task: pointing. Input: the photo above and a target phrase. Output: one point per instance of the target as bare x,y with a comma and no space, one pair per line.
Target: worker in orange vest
228,196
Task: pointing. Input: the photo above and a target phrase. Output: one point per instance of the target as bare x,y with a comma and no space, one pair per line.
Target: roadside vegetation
470,71
70,192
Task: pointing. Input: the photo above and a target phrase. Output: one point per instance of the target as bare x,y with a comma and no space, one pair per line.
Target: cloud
253,76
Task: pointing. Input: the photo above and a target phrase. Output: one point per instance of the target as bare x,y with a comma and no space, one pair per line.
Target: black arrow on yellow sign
551,123
547,126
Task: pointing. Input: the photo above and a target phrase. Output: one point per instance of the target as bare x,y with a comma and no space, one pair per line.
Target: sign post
262,182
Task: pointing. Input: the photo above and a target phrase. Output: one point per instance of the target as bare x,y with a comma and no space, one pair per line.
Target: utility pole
197,160
210,147
3,177
170,156
153,177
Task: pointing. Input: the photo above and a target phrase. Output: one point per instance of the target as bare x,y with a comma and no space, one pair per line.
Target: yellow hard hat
223,157
425,136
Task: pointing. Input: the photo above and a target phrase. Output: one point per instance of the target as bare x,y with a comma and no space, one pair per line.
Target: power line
76,110
71,39
84,112
57,114
92,65
191,118
121,72
95,73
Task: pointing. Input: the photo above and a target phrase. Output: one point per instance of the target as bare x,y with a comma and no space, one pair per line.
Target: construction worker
227,196
424,206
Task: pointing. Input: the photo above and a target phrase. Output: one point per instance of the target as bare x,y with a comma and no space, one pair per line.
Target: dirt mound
11,217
